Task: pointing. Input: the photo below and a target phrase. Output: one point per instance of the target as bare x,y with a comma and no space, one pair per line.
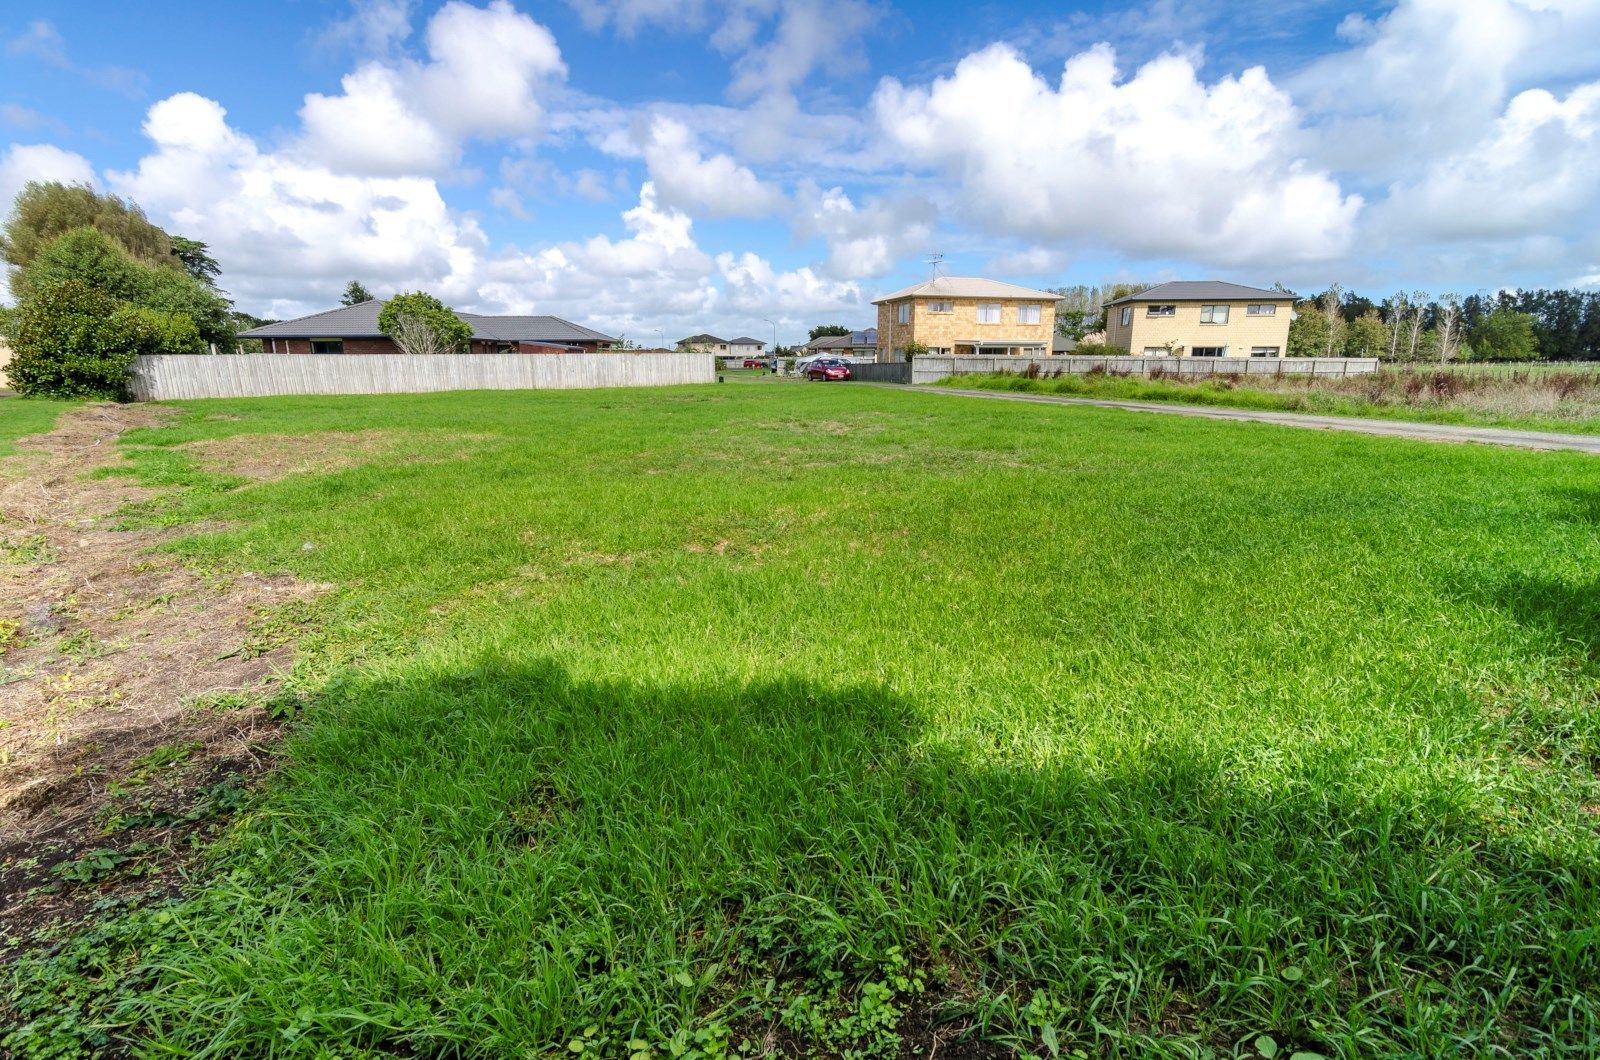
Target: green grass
1322,402
20,417
666,717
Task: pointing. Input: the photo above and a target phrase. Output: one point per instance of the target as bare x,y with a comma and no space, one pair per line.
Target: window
941,307
327,345
1127,315
1209,351
1213,314
1155,351
1263,351
1261,309
1161,311
988,312
903,314
1027,314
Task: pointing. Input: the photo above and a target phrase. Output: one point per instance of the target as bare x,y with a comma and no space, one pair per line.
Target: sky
658,168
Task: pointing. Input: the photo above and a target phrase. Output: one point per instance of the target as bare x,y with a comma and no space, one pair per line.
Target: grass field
21,417
817,717
1553,400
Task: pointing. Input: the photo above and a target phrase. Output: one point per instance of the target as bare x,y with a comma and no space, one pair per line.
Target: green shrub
1098,349
421,324
73,341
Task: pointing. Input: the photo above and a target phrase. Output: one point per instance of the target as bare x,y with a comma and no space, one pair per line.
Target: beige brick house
1201,318
966,315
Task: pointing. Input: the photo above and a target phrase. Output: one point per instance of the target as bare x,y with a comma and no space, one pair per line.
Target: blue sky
657,166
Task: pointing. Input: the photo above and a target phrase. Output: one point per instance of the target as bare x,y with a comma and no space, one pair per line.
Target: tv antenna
933,265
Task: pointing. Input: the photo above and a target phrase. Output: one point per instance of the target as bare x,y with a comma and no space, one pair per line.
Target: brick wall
1186,331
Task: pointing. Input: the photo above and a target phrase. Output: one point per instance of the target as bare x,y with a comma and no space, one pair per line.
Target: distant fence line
930,369
176,376
882,373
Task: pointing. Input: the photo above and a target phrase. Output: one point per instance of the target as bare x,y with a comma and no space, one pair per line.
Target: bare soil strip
131,688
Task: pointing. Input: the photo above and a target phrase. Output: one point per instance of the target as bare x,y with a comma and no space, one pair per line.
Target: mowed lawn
661,721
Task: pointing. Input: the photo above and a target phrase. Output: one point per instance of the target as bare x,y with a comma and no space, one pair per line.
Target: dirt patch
272,456
125,678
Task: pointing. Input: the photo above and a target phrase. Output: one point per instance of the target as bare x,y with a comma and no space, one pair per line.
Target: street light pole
774,324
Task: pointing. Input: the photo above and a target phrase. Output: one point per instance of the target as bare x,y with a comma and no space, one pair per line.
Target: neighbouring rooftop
966,287
361,322
1204,291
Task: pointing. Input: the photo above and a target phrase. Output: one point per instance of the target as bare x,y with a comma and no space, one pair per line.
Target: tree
45,211
73,341
93,258
1447,326
822,331
421,324
1504,335
1366,336
1330,303
1308,332
355,292
197,260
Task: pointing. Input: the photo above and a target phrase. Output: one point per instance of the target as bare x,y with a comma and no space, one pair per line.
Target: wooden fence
931,369
175,376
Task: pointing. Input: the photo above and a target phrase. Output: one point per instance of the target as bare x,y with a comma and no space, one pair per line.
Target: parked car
754,362
828,368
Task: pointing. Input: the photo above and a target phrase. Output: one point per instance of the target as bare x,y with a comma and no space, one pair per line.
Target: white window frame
903,313
997,308
1161,310
1127,316
941,307
1208,313
1157,351
1261,309
1266,351
1024,312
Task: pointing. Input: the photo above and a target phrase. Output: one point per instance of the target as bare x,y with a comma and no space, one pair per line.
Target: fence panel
175,376
930,368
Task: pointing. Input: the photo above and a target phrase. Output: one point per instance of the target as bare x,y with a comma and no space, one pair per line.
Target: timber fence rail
177,376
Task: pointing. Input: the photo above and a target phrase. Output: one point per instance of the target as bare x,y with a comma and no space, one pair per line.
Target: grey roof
854,340
361,322
966,287
703,339
746,341
1204,291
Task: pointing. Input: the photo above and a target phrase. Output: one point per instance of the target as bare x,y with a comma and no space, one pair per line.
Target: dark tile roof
701,339
1203,291
361,322
746,341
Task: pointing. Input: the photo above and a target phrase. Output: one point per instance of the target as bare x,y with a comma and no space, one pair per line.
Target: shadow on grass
498,857
1569,610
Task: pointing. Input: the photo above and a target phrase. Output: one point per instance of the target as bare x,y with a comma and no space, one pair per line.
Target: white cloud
1159,165
865,241
486,70
754,286
373,27
1029,261
715,186
1536,169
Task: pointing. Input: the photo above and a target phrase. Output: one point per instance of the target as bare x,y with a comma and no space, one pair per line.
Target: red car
754,362
829,369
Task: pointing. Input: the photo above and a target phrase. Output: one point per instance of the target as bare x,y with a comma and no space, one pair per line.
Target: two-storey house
966,315
1201,318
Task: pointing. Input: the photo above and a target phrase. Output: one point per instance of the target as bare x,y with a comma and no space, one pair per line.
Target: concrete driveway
1428,432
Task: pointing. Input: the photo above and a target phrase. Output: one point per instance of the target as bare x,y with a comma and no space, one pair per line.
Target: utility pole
774,324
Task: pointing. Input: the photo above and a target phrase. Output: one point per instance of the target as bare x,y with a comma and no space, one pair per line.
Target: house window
1261,309
1027,314
941,307
903,314
1161,311
1155,351
1127,315
1263,351
988,312
327,345
1209,351
1213,314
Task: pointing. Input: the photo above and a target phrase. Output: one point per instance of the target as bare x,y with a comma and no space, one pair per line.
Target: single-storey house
855,344
354,329
1201,318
